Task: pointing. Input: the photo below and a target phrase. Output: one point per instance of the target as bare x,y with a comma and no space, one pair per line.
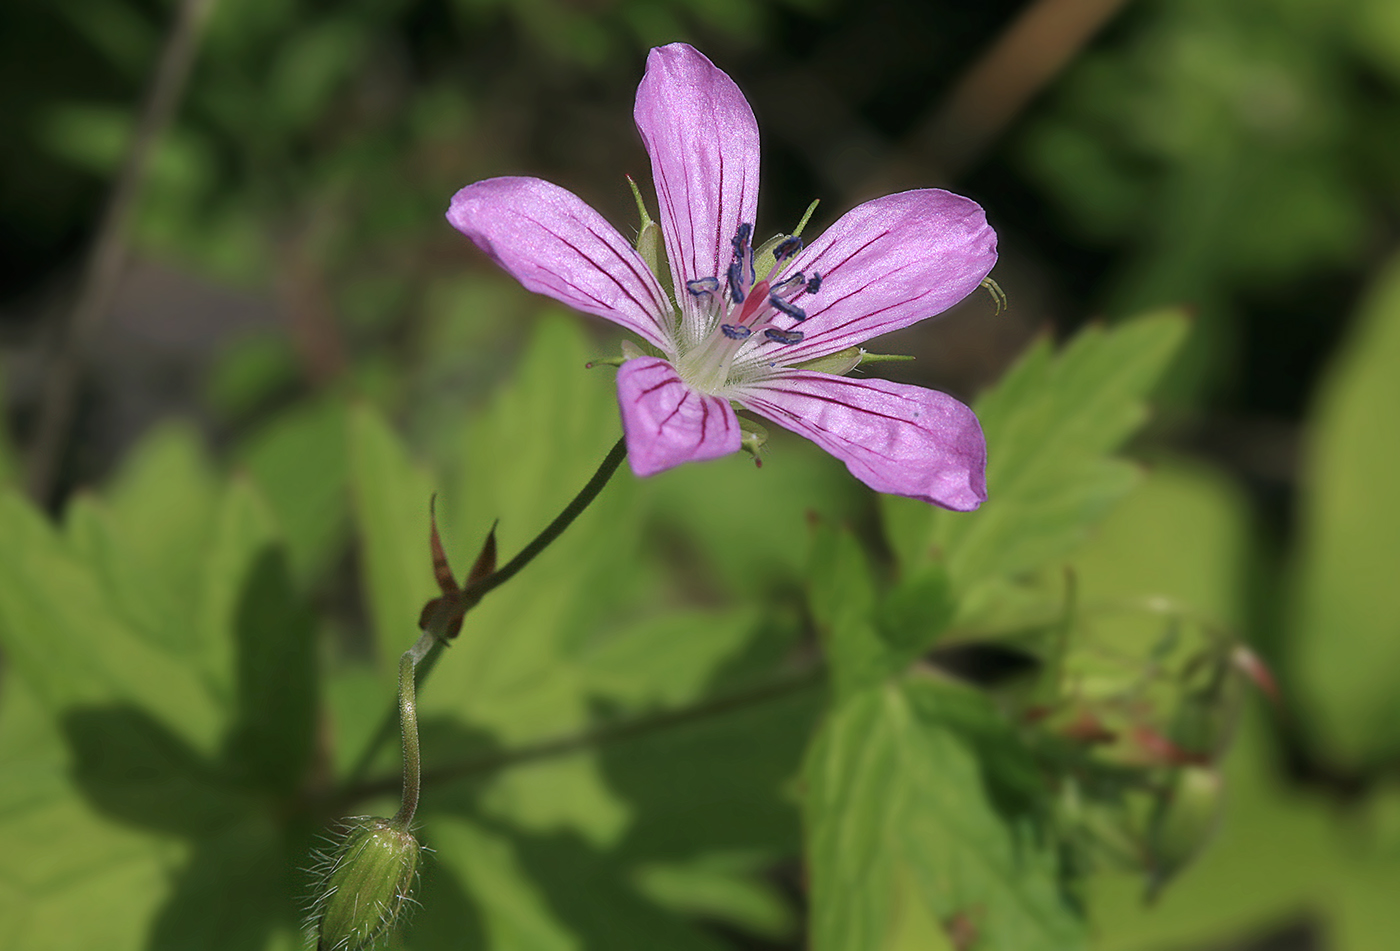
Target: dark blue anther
735,333
787,248
740,241
792,310
702,286
789,285
814,283
736,283
783,336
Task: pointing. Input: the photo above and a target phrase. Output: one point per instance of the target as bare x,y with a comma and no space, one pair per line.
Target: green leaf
272,740
73,880
61,636
1346,638
148,536
666,660
514,910
842,595
720,888
897,814
1051,424
300,464
391,496
243,532
746,528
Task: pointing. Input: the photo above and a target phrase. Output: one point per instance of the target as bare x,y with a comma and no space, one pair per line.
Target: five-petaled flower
731,334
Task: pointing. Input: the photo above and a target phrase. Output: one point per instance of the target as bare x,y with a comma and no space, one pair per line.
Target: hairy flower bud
363,884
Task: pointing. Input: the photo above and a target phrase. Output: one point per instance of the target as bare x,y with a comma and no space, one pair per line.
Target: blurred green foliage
719,712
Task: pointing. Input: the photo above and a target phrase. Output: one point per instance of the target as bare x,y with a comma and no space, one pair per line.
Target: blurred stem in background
107,256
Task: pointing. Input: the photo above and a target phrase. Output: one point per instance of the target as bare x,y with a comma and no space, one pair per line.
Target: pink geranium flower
729,335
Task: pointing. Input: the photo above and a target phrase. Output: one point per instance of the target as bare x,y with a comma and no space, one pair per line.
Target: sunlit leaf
390,496
1052,425
300,464
896,813
61,636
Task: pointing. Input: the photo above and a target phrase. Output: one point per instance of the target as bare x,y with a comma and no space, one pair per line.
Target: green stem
408,720
778,689
429,646
555,528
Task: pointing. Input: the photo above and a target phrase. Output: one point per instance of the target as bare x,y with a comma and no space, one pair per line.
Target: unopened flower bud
1185,820
363,884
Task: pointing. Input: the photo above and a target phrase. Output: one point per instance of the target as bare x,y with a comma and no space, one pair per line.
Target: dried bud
363,883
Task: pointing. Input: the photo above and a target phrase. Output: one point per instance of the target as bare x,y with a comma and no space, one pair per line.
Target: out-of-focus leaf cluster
730,706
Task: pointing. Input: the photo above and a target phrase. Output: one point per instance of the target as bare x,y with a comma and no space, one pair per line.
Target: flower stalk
408,722
442,618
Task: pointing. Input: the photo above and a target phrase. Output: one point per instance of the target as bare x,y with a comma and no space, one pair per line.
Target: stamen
783,336
736,283
702,286
740,241
789,308
814,284
789,285
787,248
741,274
735,333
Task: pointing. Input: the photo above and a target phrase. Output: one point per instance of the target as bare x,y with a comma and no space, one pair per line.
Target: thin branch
590,739
107,257
1025,58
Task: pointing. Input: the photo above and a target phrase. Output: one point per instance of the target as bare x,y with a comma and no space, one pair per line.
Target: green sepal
998,295
840,363
844,361
630,351
806,217
649,240
763,259
752,437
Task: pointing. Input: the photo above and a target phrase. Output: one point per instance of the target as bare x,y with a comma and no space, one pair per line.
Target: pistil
749,310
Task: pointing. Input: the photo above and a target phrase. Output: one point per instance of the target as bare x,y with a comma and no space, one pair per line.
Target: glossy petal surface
890,263
896,438
554,244
666,422
703,141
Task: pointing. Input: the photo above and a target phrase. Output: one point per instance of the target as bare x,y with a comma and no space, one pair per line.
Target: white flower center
738,324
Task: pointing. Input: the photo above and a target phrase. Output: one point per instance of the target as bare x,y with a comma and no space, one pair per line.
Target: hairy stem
408,721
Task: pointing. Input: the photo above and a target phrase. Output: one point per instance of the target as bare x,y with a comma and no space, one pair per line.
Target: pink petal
666,422
887,264
703,141
896,438
554,244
